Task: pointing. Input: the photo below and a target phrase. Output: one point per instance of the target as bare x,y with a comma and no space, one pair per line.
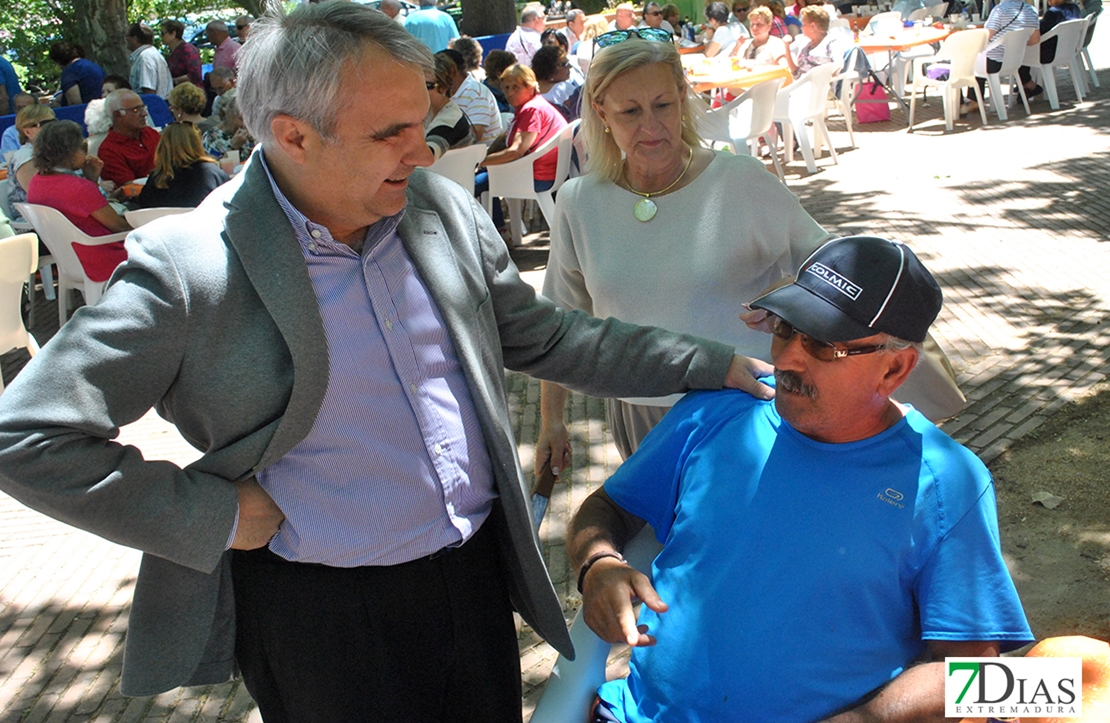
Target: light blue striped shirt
395,467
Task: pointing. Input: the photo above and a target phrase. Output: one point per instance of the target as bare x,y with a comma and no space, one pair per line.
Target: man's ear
293,136
898,368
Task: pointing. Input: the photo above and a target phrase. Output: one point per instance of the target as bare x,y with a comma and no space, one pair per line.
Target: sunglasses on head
619,36
819,350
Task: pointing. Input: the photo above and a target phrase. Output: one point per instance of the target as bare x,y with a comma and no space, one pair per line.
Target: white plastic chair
59,235
744,120
459,164
573,683
919,14
937,11
1069,37
19,256
515,181
45,263
1014,43
849,81
960,51
6,207
142,216
1086,56
888,23
806,100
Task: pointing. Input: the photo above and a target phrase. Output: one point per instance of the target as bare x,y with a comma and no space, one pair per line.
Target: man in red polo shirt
128,151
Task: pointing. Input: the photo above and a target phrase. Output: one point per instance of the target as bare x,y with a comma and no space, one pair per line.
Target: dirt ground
1060,557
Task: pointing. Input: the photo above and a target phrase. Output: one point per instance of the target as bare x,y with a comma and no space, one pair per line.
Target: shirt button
389,325
438,449
315,233
412,386
312,247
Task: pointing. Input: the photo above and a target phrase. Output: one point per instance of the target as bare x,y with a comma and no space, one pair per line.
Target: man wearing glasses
831,546
128,149
740,13
653,18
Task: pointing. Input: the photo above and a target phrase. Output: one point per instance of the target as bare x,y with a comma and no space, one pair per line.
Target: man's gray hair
572,15
218,25
529,16
222,71
292,64
114,102
894,344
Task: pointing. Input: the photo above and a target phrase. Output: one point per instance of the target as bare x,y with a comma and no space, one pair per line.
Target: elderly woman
725,35
534,122
183,173
28,122
471,50
187,102
1005,17
558,83
446,126
661,230
230,134
763,46
60,154
816,47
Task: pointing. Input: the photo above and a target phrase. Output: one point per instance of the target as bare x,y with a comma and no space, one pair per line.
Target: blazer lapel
258,230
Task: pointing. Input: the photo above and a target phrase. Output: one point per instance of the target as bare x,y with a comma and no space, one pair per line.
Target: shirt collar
311,236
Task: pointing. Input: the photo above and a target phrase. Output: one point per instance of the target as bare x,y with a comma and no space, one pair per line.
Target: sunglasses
136,110
619,36
741,10
655,13
41,123
819,350
430,84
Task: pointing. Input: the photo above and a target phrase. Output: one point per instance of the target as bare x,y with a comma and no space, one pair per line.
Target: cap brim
812,315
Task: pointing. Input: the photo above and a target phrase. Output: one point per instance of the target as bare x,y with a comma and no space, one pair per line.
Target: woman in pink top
535,121
66,180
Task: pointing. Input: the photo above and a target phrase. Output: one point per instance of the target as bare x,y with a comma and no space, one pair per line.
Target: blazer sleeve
105,368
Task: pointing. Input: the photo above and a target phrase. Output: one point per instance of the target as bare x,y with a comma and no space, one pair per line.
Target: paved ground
1012,218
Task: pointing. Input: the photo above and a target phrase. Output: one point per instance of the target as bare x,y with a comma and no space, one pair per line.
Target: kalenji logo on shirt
835,280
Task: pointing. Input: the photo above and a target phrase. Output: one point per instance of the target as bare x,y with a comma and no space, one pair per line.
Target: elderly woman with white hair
662,231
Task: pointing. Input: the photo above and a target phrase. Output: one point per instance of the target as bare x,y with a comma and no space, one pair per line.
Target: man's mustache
789,381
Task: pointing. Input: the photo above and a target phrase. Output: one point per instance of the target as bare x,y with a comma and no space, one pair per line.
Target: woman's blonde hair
30,116
521,72
816,15
179,147
188,97
595,25
608,65
762,13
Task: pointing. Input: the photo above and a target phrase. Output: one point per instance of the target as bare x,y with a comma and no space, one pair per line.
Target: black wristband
593,559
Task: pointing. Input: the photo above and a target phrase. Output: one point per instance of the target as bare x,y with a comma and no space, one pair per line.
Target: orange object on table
131,190
3,173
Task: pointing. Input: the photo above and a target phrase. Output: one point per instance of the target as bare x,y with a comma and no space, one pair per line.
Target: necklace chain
689,162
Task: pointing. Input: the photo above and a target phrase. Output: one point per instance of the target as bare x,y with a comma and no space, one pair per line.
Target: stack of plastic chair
59,235
744,120
959,52
1069,37
1015,44
19,256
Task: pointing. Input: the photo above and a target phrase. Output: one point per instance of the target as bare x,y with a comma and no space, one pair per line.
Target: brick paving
1011,217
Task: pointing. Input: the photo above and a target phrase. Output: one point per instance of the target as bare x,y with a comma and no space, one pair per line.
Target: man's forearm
915,696
599,525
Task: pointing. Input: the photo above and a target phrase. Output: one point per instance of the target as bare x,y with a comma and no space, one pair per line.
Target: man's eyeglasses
564,64
430,84
654,13
819,350
739,10
619,36
136,110
241,27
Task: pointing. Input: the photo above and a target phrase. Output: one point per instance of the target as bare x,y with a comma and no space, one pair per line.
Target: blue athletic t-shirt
802,575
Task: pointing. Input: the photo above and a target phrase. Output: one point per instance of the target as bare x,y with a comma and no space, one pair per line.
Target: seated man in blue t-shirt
823,551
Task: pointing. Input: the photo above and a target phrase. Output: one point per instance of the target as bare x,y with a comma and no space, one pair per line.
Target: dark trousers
428,641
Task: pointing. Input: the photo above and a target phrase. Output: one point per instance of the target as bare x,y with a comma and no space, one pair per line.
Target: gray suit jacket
213,321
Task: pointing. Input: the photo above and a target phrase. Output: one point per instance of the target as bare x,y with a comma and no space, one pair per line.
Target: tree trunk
100,25
487,17
254,8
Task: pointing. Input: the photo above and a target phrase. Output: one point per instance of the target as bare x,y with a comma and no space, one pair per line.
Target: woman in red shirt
66,180
535,121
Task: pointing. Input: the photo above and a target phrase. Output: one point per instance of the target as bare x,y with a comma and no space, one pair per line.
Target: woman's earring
606,129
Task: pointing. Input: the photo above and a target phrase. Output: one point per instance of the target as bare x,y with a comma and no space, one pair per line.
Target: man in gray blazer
331,328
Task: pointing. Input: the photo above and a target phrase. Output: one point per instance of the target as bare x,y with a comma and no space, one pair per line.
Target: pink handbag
872,105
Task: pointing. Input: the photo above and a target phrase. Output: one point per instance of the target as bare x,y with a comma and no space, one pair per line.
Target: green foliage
28,27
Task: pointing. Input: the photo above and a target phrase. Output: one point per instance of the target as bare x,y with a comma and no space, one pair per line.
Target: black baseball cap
855,287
